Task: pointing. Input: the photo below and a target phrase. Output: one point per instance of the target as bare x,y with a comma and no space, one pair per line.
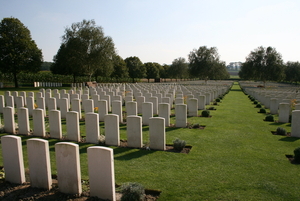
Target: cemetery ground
234,158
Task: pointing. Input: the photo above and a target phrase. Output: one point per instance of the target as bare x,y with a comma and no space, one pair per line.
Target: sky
164,30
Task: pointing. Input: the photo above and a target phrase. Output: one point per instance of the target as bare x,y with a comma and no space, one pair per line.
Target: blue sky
163,30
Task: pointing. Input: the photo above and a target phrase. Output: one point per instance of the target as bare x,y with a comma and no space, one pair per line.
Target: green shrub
262,110
255,102
269,118
205,113
258,105
178,144
132,191
280,131
297,155
218,100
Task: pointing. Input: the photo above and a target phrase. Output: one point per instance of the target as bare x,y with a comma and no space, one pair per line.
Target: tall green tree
18,52
178,69
94,50
164,71
292,71
203,61
136,69
152,70
69,59
264,64
120,69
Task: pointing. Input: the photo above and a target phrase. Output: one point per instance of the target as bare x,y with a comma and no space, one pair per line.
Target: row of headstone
111,124
100,166
47,84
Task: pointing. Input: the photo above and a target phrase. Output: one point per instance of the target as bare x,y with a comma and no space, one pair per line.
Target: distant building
234,66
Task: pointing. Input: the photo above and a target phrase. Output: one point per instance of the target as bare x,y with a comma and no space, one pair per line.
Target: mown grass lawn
234,158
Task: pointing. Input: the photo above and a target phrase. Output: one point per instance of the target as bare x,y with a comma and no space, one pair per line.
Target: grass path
234,158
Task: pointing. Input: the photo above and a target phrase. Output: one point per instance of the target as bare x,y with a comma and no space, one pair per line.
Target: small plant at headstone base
269,118
262,110
132,191
255,102
297,155
280,131
258,105
178,144
205,113
218,100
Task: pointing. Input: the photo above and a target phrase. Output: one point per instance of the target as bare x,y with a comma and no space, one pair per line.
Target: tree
218,71
18,52
136,69
163,72
292,71
263,64
120,68
93,50
69,59
203,62
152,70
178,69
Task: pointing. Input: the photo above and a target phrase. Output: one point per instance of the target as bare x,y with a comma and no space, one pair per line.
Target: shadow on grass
130,155
278,124
289,139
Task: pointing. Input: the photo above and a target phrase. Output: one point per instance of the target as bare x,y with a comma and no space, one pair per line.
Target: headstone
284,112
55,124
157,133
38,123
295,130
201,102
112,132
63,103
19,101
68,167
30,104
193,107
76,106
154,101
147,112
52,104
10,101
101,172
39,163
92,127
88,105
13,162
23,120
274,106
102,109
117,109
134,131
181,115
140,100
9,120
164,112
73,131
2,103
131,108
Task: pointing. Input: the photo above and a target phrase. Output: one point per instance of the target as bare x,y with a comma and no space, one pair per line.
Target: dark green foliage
262,110
18,52
297,155
280,131
258,105
132,191
255,102
179,144
205,113
269,118
218,100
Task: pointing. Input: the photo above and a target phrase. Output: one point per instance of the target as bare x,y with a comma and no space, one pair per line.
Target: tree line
85,51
